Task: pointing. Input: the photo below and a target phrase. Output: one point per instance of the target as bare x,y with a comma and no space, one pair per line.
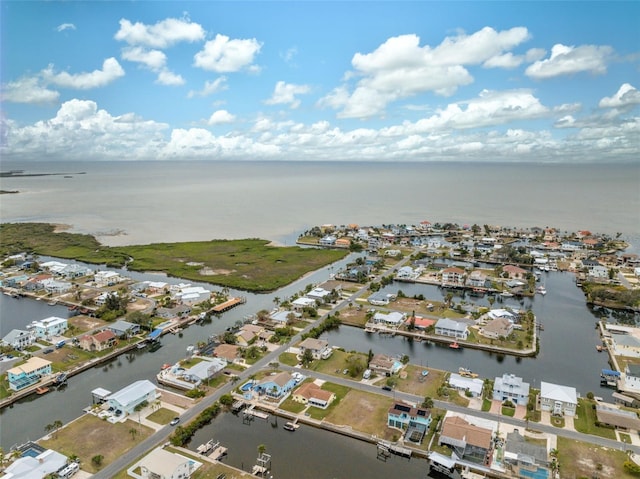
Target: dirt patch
584,459
362,411
86,323
206,271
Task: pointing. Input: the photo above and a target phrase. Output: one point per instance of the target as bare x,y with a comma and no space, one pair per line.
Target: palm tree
57,424
134,432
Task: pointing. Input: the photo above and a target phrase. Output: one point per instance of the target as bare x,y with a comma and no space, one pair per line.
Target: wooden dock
227,305
253,412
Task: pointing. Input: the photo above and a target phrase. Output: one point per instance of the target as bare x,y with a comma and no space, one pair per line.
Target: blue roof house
276,386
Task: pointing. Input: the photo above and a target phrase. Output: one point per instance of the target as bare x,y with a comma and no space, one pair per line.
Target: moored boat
454,345
42,390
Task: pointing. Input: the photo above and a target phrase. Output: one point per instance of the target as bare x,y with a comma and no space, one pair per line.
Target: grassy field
364,412
248,264
162,416
414,382
582,459
90,436
339,391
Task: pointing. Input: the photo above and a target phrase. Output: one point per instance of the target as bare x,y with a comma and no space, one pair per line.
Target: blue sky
302,80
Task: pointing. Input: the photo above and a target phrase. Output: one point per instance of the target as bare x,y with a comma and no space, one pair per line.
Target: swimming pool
540,473
247,386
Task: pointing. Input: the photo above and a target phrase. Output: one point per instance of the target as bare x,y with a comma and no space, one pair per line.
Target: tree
262,449
307,357
134,432
226,400
427,403
97,460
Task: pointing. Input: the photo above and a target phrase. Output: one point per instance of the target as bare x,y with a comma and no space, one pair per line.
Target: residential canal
568,355
307,453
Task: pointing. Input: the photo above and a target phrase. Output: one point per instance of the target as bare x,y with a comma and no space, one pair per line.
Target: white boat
541,290
506,294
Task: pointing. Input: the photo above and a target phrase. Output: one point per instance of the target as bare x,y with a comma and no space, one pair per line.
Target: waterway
307,453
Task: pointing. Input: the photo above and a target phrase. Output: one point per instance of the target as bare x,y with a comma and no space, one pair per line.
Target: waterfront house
282,318
599,272
453,277
122,328
162,464
453,329
157,287
98,342
275,387
514,272
177,312
128,398
472,386
301,303
502,313
477,279
468,441
380,299
48,327
107,278
313,395
54,286
204,370
419,322
54,267
29,373
617,418
497,328
557,399
415,421
328,240
319,295
512,388
406,272
19,339
228,352
248,334
384,365
525,458
626,345
319,348
191,295
34,283
393,319
632,376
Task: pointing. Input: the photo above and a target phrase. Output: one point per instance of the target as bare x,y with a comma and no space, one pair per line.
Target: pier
227,305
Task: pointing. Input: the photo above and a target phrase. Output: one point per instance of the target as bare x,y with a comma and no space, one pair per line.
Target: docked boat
60,379
541,290
506,294
454,345
465,372
42,390
599,348
289,426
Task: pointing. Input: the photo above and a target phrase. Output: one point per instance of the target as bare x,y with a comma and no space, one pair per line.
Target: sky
528,81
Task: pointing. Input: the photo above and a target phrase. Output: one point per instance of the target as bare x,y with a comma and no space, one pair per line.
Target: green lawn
486,405
162,416
585,420
292,406
508,411
339,391
289,359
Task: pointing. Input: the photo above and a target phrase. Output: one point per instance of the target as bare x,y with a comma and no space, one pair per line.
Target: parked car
175,421
386,388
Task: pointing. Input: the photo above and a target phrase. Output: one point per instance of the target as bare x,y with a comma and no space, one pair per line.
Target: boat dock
394,449
227,305
213,450
251,411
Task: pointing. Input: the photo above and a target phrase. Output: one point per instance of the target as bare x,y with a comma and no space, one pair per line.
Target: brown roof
617,417
312,390
453,269
513,269
104,336
458,428
226,351
498,325
381,361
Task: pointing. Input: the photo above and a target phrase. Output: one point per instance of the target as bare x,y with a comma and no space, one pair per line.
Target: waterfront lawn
288,359
585,420
90,436
415,383
354,316
292,406
162,416
339,391
364,412
582,459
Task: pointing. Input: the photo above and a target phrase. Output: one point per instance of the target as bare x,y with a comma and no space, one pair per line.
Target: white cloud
163,34
285,93
210,87
111,71
28,90
166,77
567,60
221,117
289,54
506,60
65,26
223,55
400,68
152,59
626,96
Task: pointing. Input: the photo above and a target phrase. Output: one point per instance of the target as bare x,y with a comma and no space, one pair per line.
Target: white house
453,276
45,463
497,328
392,319
632,376
192,295
557,399
48,327
461,383
106,278
318,294
319,348
599,272
510,387
451,328
162,464
19,339
301,303
626,345
130,396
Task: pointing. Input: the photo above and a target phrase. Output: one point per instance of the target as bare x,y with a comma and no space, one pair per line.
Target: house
453,329
107,278
275,387
497,328
162,464
228,352
617,418
44,464
53,286
557,399
525,458
384,365
301,303
190,295
477,279
203,370
319,348
129,397
468,441
48,327
19,339
319,295
406,272
282,318
313,395
328,240
248,334
512,388
502,313
471,385
514,272
415,421
420,322
98,342
179,311
380,299
599,272
29,373
452,277
632,376
626,345
393,319
122,328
